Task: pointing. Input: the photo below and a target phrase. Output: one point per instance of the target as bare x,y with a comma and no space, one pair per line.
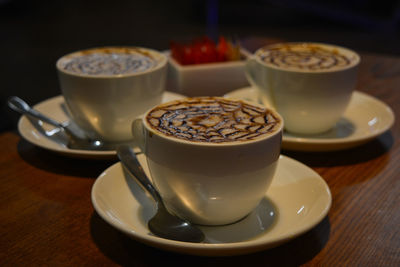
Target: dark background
34,34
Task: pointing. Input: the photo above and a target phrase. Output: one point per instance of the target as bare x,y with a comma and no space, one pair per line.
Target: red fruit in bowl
204,50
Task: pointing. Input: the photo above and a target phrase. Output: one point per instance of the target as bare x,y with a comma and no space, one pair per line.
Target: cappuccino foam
308,57
212,120
109,61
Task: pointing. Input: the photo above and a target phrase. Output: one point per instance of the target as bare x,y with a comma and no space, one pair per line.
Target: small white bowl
208,79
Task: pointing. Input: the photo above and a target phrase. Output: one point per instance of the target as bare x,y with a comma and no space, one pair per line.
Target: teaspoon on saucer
77,139
163,224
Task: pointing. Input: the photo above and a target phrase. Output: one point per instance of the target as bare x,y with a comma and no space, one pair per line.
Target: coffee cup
212,159
106,88
309,84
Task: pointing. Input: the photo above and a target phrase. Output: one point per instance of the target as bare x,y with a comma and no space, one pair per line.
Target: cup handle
254,75
251,71
138,134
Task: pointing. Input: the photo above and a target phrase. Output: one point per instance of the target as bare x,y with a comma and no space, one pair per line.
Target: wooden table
47,217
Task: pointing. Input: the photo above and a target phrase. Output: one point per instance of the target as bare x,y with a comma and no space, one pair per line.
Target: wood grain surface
47,218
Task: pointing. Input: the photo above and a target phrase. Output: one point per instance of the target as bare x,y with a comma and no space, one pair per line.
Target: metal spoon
163,224
77,139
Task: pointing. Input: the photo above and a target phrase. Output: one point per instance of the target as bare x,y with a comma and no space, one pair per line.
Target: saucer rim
25,130
303,143
216,249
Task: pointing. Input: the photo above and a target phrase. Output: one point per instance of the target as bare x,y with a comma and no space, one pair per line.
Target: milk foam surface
109,61
309,57
213,120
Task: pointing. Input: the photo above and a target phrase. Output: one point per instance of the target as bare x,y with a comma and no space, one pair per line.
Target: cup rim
162,62
332,46
278,131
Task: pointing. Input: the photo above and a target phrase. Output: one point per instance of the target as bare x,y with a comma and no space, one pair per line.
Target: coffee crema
308,57
212,120
109,61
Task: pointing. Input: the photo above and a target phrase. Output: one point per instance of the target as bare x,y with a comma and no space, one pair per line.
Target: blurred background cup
106,88
309,84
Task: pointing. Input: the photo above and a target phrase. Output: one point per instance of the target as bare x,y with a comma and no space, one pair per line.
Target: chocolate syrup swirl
109,62
213,120
304,57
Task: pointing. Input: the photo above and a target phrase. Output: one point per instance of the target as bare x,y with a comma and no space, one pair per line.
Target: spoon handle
130,161
22,107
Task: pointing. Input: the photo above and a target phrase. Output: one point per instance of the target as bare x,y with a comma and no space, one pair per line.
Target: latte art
308,57
213,120
109,62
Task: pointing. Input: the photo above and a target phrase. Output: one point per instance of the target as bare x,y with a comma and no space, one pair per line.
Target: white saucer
297,200
365,118
55,108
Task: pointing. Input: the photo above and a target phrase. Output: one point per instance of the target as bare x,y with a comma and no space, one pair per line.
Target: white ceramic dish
55,108
210,79
365,118
297,200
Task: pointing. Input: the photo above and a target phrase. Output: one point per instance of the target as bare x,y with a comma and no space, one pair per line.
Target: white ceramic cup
310,101
105,105
209,183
